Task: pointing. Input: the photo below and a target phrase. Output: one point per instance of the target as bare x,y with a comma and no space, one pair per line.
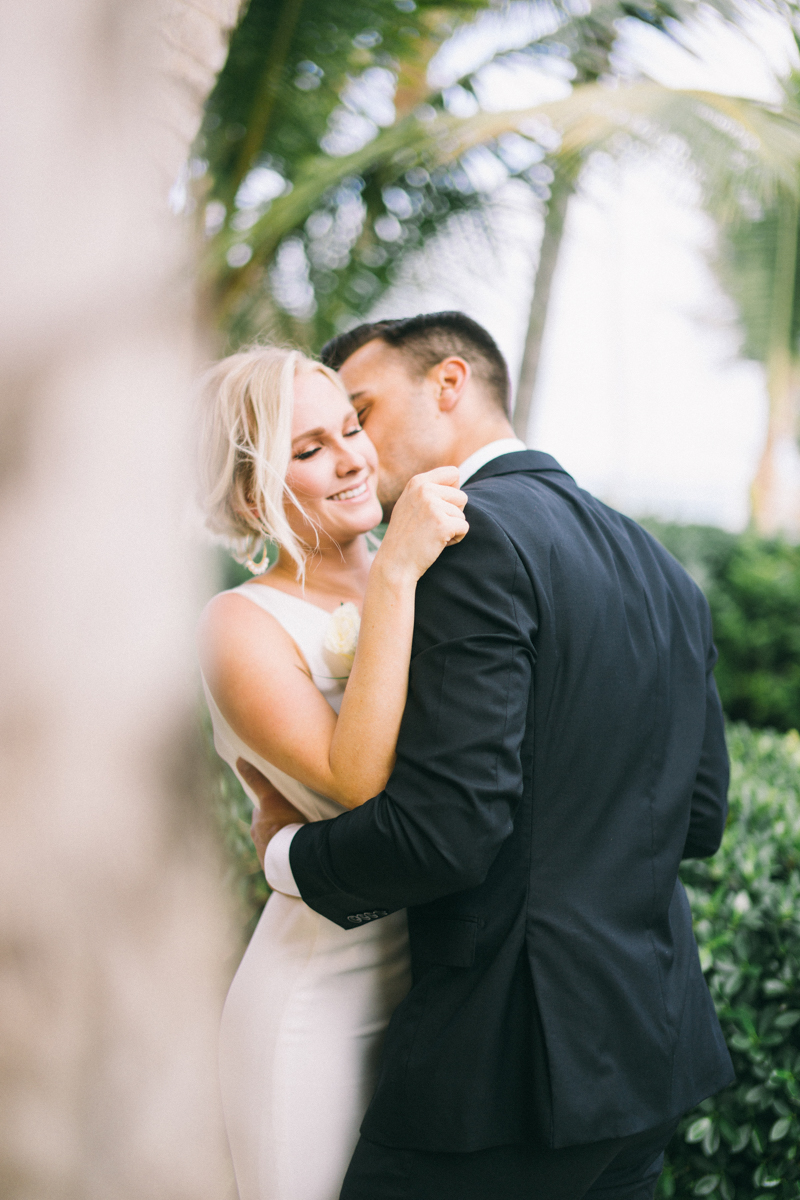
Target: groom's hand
274,809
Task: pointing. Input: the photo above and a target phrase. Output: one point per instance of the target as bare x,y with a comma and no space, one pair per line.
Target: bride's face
334,466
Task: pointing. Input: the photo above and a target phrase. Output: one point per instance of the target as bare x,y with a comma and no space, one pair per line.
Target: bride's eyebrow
310,433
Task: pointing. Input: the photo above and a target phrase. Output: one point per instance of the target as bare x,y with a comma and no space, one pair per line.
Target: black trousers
618,1169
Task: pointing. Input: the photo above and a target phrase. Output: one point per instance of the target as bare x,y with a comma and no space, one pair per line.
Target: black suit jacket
561,751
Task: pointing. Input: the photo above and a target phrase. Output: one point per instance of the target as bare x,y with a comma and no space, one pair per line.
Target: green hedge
753,589
746,905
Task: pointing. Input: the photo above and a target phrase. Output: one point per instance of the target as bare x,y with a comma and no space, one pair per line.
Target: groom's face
399,412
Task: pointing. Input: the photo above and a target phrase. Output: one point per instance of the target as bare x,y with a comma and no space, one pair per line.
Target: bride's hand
427,517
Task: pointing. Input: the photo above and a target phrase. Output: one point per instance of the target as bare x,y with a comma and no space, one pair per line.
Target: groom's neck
474,435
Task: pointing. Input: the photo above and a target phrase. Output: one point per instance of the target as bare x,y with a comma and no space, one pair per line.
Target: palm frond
763,146
290,67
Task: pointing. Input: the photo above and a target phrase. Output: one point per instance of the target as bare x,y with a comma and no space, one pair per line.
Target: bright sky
641,393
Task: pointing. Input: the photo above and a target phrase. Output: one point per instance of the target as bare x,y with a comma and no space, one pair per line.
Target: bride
285,461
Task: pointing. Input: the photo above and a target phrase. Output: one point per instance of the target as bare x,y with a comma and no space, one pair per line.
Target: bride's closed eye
302,455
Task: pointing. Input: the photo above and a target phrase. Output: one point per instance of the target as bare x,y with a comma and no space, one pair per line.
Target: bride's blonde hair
246,403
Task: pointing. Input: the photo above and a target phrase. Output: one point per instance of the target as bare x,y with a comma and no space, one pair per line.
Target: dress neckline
289,596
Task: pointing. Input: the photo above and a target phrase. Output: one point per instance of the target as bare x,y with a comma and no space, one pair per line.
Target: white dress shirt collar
486,453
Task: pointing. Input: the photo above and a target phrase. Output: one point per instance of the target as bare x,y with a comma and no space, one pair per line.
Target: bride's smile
360,492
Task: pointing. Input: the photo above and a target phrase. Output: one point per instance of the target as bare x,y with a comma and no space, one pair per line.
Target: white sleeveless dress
305,1016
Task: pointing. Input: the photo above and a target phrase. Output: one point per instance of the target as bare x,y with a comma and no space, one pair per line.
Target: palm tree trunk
113,934
562,189
775,492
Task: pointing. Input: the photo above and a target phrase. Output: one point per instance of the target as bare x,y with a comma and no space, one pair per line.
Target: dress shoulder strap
304,622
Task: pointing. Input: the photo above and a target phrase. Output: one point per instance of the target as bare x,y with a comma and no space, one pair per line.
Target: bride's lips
359,492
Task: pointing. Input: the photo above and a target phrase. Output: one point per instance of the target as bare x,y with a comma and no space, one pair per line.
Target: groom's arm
450,802
709,808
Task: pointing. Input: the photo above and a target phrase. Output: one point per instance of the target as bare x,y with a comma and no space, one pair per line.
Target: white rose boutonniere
341,636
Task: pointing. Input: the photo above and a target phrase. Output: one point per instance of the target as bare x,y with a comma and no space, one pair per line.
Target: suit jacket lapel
515,462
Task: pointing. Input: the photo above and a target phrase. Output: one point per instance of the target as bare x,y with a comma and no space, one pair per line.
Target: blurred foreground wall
113,930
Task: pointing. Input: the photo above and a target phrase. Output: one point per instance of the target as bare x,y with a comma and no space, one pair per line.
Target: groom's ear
450,377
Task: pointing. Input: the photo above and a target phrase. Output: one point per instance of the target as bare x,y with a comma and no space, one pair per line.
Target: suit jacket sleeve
450,801
710,796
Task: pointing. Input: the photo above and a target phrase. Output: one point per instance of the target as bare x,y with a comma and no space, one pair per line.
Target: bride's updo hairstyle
246,403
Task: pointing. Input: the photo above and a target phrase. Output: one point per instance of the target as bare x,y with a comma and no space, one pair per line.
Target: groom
561,751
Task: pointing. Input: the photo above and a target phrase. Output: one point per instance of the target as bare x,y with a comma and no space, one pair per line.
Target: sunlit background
643,394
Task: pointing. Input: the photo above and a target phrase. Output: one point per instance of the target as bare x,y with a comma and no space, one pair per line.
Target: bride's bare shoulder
232,627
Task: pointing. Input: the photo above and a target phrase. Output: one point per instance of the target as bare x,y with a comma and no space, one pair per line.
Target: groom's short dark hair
425,340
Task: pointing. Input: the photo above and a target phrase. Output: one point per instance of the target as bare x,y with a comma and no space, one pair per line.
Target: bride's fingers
458,536
452,495
453,514
455,528
447,476
455,511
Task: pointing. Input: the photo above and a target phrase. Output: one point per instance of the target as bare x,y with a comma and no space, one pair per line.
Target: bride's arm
363,745
261,684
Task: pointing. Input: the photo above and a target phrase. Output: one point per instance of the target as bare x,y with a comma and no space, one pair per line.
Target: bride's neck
339,571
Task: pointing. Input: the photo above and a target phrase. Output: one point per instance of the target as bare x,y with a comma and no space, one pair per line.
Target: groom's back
623,649
575,956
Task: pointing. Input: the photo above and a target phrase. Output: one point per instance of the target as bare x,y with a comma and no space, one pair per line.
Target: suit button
380,912
355,918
